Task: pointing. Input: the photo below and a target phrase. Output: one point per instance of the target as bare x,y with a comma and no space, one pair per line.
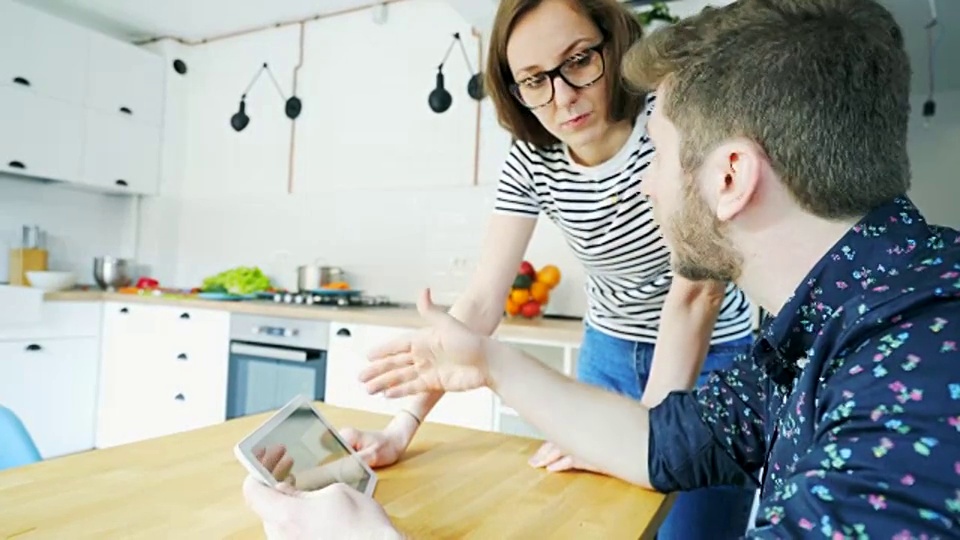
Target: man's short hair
822,86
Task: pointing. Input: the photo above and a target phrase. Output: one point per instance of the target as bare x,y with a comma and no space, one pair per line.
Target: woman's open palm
446,356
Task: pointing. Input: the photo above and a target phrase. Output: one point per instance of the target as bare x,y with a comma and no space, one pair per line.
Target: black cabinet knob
21,81
16,165
182,357
343,332
180,397
33,347
125,110
184,315
124,310
122,183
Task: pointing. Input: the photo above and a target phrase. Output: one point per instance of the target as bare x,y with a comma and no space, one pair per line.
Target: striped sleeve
516,194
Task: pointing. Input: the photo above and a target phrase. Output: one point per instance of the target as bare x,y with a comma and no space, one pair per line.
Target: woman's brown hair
620,30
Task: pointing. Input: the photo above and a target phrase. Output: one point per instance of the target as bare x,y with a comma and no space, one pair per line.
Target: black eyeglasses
579,71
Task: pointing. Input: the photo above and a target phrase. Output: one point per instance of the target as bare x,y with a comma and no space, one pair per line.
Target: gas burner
322,299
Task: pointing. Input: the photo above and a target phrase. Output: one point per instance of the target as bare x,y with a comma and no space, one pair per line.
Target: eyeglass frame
552,75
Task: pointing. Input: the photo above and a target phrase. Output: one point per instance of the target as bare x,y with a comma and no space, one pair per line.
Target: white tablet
299,446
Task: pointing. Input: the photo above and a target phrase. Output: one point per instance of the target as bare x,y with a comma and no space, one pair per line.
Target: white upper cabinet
121,153
78,106
39,136
42,53
125,80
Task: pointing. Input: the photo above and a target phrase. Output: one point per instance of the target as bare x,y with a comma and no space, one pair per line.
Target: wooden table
452,483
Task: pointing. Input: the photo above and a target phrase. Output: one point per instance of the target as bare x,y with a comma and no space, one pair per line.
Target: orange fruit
549,275
512,308
519,296
540,292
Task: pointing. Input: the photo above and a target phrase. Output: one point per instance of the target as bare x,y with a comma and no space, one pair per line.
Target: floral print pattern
847,412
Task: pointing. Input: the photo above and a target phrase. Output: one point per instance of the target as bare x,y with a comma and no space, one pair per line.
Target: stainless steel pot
311,277
112,273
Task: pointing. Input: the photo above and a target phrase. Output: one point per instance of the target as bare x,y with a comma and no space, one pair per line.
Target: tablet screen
303,447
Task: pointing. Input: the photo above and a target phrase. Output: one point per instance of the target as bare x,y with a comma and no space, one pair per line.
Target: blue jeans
623,366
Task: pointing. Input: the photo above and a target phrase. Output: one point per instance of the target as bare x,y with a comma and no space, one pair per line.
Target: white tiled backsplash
79,225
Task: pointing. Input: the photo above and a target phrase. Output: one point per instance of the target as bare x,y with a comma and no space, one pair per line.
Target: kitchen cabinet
51,385
122,154
43,53
163,370
347,356
125,80
39,136
48,376
78,106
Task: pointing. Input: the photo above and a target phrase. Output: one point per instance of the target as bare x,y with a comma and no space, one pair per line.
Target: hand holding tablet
299,447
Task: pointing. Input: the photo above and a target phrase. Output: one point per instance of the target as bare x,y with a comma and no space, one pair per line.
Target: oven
273,359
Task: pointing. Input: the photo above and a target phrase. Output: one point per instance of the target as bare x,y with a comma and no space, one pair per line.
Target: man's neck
780,257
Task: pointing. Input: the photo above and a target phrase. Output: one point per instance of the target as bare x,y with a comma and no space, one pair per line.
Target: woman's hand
444,356
551,457
377,448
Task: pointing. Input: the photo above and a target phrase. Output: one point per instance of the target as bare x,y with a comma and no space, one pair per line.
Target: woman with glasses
578,158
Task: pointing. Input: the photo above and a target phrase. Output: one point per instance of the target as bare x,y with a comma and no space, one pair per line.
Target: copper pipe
293,125
204,41
476,142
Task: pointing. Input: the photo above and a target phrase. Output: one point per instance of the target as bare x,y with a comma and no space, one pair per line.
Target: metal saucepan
312,277
112,273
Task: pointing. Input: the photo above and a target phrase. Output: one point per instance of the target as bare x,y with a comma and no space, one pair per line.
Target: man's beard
700,249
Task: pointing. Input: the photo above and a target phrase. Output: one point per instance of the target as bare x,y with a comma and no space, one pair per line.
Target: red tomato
530,310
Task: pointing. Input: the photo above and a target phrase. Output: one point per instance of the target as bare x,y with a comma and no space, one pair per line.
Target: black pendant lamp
292,107
440,99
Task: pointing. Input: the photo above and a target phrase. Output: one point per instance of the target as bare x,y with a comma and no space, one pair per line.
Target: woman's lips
576,121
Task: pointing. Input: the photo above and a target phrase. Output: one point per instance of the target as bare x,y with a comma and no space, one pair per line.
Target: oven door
265,377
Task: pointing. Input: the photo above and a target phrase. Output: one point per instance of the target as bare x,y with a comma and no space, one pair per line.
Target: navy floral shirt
847,412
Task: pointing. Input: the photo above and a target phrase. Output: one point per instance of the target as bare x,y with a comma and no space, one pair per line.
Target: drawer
58,320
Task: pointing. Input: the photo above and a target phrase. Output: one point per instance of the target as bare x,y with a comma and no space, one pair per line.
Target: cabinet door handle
182,357
16,165
343,332
180,397
33,347
122,183
125,110
184,315
21,81
124,310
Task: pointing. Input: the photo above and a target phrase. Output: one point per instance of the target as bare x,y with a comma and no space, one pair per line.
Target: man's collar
887,230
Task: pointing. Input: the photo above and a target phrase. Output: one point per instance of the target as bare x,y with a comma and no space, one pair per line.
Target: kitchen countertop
560,331
453,483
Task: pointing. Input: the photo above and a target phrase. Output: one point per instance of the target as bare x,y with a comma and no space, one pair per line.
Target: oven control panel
275,331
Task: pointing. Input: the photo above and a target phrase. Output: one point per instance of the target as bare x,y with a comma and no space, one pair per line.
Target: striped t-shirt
610,227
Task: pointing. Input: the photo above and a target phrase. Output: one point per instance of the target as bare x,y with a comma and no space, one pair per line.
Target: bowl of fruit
530,292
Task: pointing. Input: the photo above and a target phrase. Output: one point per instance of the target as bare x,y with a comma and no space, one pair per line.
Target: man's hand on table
335,512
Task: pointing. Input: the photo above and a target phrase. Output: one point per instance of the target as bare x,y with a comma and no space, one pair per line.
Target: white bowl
51,281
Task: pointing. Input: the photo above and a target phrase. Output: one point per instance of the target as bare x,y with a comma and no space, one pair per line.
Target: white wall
80,225
382,185
934,147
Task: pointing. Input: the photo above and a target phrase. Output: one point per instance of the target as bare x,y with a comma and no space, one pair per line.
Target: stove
333,298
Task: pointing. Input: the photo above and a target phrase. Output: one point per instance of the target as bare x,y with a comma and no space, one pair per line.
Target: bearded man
781,137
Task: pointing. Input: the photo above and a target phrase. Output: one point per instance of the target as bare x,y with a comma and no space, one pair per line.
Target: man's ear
733,176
